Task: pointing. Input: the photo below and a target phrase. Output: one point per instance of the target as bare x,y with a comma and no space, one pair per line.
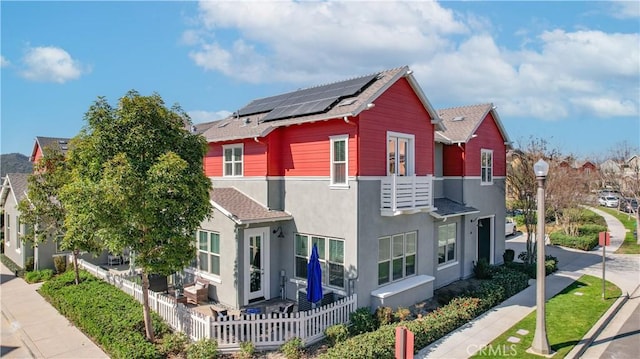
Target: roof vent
458,118
246,121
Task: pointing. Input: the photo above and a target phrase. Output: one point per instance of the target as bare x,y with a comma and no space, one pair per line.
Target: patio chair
113,259
287,309
125,255
197,292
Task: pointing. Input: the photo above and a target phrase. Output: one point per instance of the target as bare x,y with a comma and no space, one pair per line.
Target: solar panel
306,101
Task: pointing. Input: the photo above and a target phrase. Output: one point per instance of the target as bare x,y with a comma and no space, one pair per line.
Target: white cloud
198,116
4,62
51,64
625,9
553,74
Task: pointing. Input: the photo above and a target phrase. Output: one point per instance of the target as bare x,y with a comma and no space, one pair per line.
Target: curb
586,341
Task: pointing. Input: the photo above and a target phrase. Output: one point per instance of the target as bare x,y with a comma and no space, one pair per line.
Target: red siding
38,154
397,110
453,160
489,137
305,150
255,158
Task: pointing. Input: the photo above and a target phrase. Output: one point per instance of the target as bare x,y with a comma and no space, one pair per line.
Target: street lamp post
540,343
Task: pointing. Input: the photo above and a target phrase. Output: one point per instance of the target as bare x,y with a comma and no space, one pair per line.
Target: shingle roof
448,208
60,143
243,209
461,122
16,182
234,128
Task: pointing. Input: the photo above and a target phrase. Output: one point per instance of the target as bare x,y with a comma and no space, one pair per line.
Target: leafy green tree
40,210
137,182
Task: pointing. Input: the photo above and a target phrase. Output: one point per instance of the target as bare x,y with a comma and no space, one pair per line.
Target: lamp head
541,168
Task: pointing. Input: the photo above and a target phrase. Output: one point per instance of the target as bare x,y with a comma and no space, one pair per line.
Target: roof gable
16,184
42,143
461,123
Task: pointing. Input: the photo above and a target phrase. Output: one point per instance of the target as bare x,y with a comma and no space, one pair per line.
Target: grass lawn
630,244
569,317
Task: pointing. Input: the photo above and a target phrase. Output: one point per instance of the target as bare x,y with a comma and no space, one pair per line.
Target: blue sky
568,72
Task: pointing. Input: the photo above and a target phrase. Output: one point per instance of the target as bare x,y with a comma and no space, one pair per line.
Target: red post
404,343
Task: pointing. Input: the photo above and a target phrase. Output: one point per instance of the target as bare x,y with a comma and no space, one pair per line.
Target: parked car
629,205
608,201
510,226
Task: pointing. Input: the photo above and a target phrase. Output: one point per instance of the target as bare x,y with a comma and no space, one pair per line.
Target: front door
484,239
257,265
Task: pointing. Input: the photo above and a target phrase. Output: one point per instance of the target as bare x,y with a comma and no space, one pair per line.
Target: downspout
464,202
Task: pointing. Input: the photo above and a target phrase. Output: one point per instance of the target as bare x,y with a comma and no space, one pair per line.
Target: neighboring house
397,202
14,189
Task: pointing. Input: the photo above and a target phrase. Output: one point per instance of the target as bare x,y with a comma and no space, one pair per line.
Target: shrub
28,264
38,276
512,281
402,313
203,349
381,343
112,318
585,243
292,348
482,269
337,333
247,349
60,263
591,229
174,343
508,255
588,217
384,315
362,321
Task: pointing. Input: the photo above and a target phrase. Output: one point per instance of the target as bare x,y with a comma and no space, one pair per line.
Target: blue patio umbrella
314,277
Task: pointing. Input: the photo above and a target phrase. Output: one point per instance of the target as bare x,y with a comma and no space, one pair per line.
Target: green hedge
38,276
111,317
433,326
585,243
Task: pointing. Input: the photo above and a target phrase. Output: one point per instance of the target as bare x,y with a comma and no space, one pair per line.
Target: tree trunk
148,327
75,265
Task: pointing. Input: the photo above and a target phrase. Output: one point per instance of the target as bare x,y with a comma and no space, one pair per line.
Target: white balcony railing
405,194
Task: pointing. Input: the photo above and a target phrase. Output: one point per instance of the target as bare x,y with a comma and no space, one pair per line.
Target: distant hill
14,163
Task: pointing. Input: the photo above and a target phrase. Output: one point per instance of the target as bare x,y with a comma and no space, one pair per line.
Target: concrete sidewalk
32,328
623,270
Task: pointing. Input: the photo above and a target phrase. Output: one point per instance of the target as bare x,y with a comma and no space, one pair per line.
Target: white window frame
326,258
208,252
20,227
396,254
233,161
410,164
486,170
448,242
7,230
333,141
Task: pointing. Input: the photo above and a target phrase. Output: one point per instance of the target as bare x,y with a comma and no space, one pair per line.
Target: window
339,153
7,230
446,243
232,160
330,253
399,154
20,227
209,252
396,257
486,166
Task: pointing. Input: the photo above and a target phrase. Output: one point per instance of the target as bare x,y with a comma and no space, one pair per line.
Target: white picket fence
265,331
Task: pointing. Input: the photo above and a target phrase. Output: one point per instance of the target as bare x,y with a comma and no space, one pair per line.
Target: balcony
406,195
